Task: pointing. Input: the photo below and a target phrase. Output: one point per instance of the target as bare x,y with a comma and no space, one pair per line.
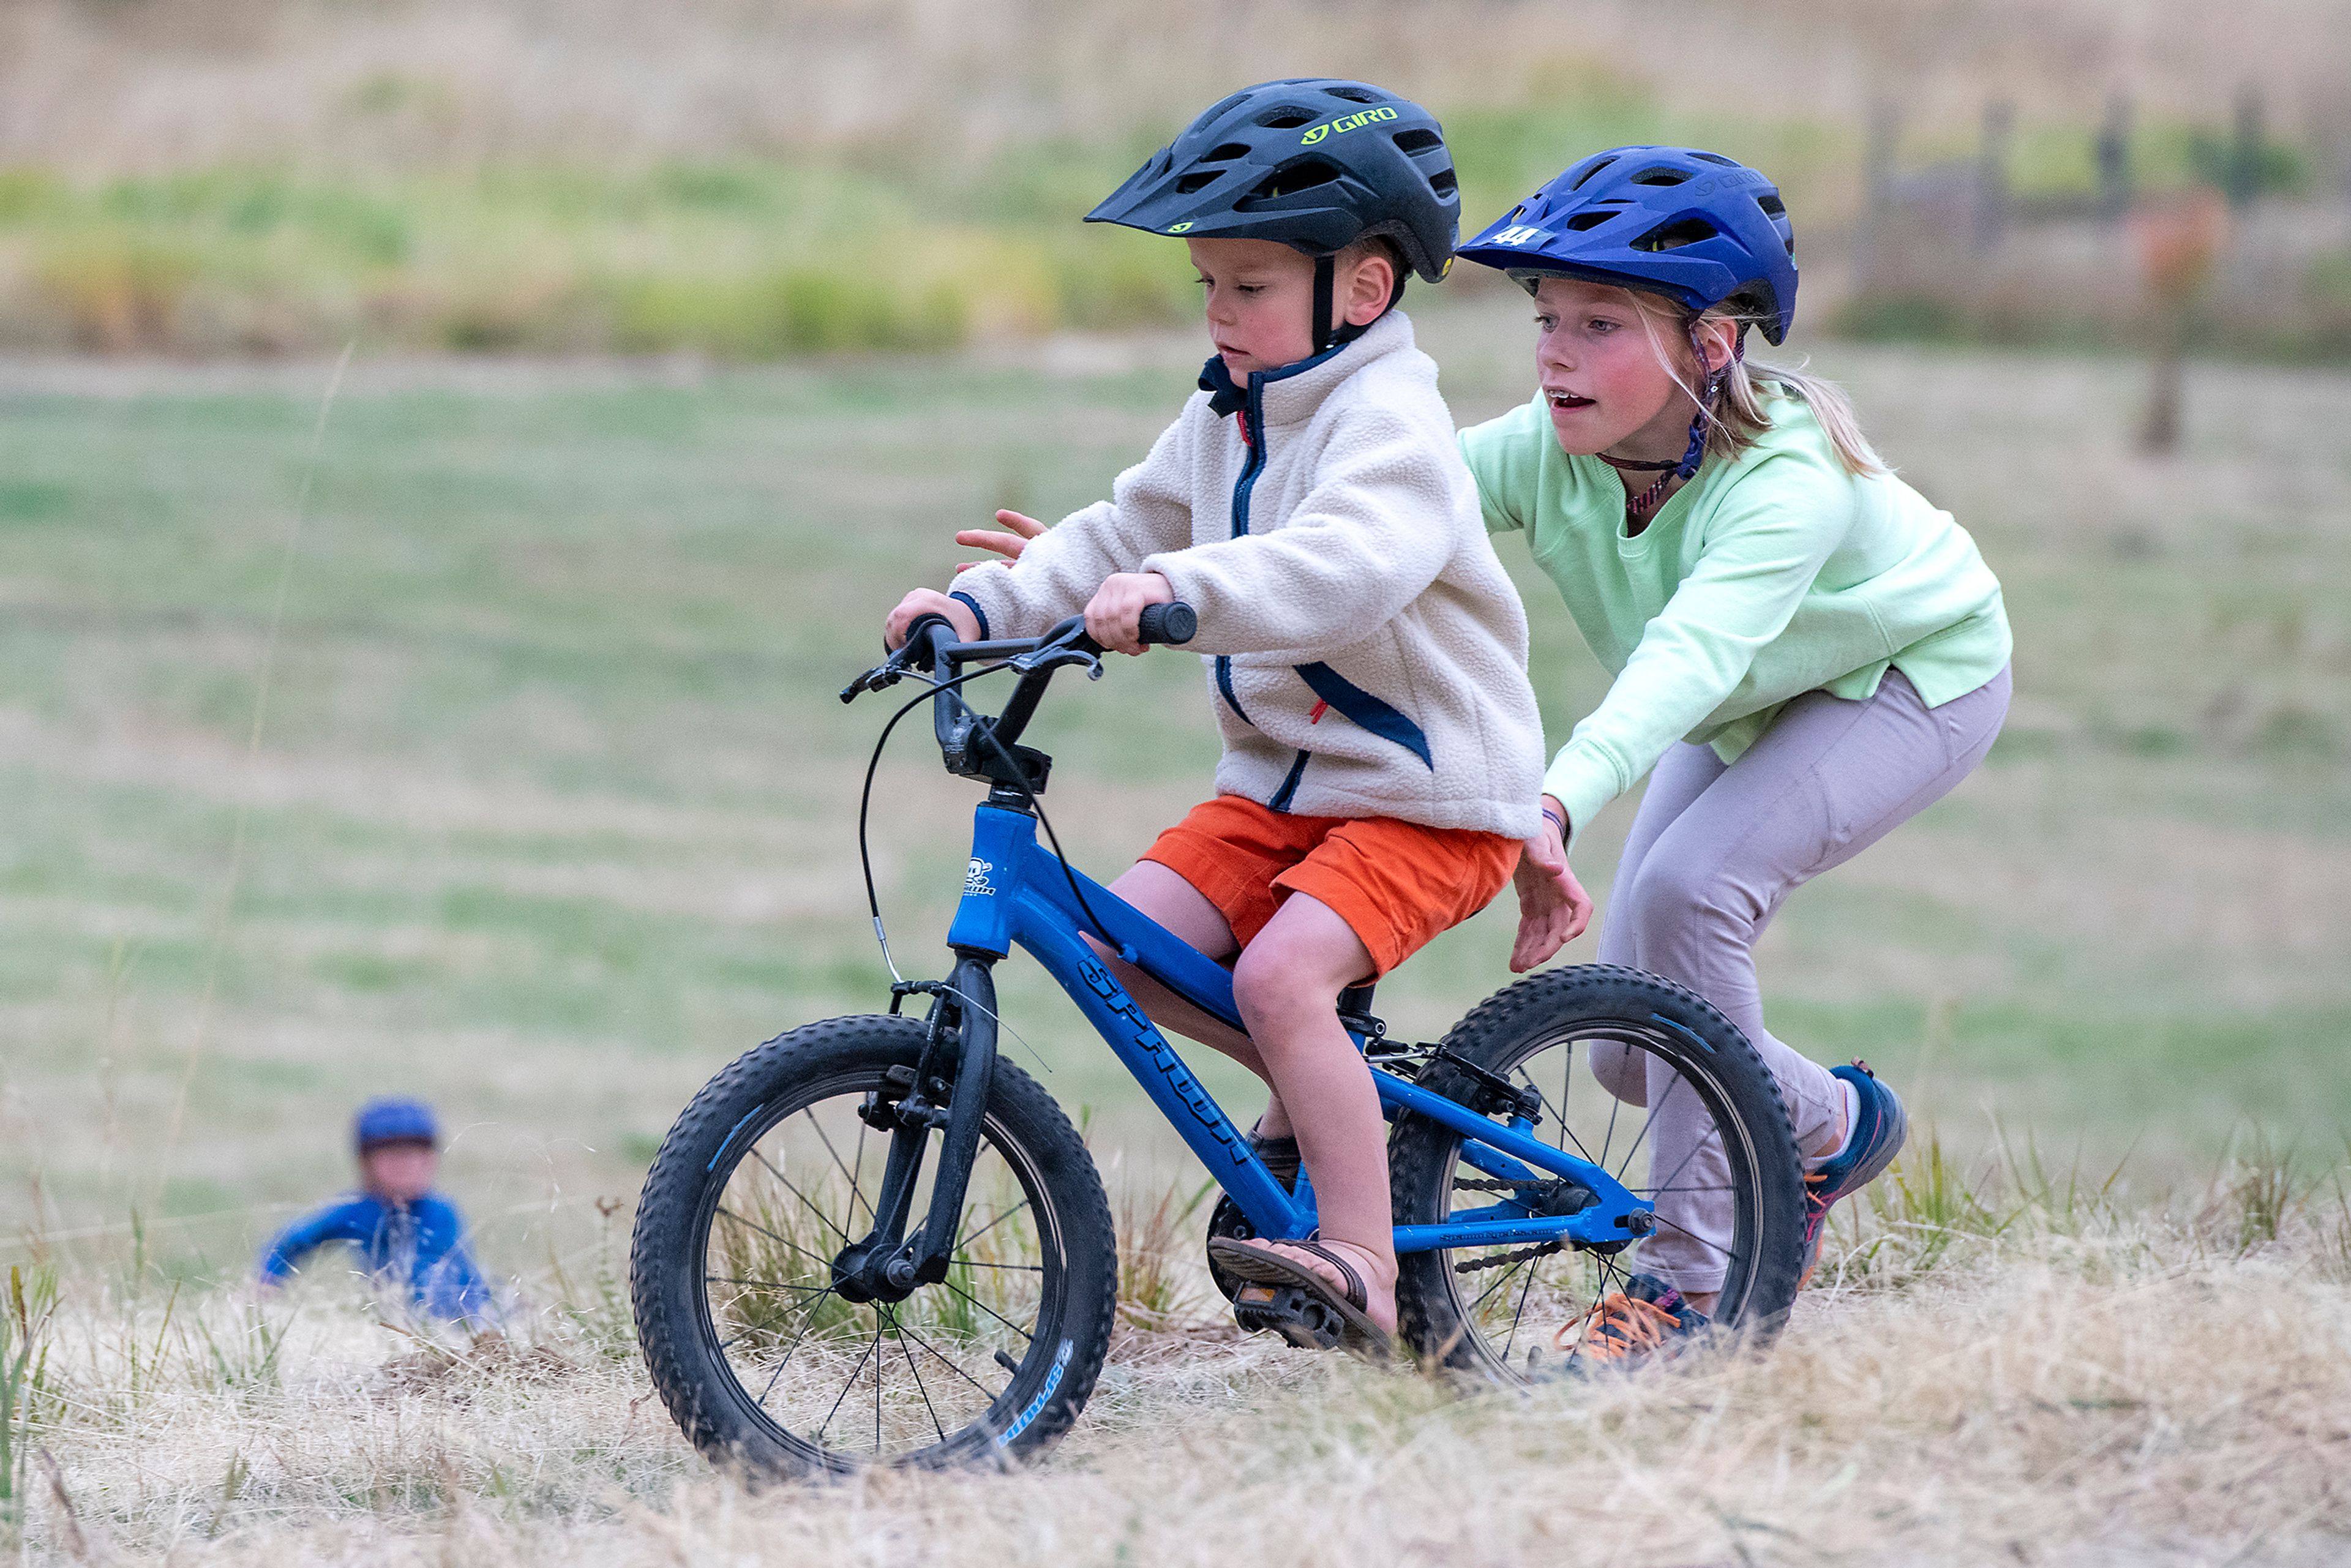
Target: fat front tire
1514,1312
773,1168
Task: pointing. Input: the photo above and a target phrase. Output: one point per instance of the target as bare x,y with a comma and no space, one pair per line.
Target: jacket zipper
1252,420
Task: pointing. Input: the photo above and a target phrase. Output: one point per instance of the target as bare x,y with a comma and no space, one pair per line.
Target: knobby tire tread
669,1329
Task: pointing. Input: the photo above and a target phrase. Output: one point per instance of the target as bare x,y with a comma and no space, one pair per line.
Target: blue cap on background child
393,1119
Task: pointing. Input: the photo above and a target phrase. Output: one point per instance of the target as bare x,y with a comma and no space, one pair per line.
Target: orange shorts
1396,884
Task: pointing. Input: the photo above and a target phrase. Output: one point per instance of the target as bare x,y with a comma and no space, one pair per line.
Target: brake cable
933,690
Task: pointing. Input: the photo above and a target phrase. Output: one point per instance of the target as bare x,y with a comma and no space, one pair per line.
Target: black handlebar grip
1171,624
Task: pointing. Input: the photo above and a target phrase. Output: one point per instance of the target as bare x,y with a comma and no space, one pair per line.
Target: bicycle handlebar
1171,625
931,645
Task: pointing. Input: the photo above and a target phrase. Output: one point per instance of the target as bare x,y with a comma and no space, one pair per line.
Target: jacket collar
1292,393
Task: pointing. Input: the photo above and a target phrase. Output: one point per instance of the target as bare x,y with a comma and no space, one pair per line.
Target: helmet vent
1774,207
1660,177
1197,180
1676,234
1303,175
1585,178
1224,154
1443,182
1355,94
1288,117
1717,158
1419,139
1590,220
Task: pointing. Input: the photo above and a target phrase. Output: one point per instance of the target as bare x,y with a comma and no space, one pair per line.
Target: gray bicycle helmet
1314,163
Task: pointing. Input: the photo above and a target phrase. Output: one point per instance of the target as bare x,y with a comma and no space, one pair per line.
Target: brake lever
878,678
1050,658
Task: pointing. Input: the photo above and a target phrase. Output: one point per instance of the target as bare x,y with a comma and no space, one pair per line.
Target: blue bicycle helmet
1313,163
1701,228
393,1120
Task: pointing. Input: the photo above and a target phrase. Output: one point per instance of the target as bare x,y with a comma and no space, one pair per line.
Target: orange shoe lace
1618,1325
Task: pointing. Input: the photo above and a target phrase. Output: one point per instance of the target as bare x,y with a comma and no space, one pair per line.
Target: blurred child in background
408,1236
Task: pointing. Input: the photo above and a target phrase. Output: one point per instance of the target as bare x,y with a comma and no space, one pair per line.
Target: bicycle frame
1018,893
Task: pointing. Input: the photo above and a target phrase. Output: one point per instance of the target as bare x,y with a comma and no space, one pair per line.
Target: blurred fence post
2244,166
2113,161
1992,174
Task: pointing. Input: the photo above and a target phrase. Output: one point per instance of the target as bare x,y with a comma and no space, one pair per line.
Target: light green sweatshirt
1761,579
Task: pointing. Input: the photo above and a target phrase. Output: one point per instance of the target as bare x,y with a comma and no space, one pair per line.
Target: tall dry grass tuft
1162,1283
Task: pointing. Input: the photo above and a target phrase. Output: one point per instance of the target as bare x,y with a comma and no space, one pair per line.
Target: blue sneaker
1878,1131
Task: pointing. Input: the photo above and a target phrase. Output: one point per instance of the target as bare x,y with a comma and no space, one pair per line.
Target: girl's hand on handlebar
1553,908
1114,617
1009,546
929,601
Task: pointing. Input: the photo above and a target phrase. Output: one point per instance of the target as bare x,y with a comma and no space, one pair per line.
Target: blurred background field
258,177
679,349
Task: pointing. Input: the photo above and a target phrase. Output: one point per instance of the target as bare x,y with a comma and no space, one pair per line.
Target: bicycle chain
1543,1249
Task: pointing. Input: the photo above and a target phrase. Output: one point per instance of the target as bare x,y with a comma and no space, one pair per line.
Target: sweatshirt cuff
1583,782
983,591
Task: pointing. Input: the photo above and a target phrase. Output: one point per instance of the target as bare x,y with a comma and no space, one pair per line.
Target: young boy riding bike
1366,652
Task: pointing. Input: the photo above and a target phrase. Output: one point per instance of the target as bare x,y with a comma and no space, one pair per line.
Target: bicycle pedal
1302,1319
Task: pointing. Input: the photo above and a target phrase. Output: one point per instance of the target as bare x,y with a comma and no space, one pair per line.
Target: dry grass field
547,814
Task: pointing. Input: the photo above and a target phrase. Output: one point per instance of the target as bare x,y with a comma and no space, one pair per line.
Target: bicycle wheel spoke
1734,1256
1496,1285
845,1387
806,1202
965,1241
809,1308
855,1195
991,1311
951,1364
920,1386
1020,1268
1512,1338
1711,1133
880,1362
1655,1112
788,1246
764,1285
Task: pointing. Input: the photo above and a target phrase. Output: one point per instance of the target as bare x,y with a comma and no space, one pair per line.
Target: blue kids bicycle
871,1241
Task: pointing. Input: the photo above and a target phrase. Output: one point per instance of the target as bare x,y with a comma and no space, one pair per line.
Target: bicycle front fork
947,1090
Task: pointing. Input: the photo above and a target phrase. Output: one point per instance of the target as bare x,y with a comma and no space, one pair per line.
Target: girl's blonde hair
1739,417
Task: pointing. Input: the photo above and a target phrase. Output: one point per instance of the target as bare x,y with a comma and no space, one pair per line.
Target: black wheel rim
843,1385
1522,1311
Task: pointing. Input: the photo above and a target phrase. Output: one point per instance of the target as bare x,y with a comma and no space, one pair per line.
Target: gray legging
1713,853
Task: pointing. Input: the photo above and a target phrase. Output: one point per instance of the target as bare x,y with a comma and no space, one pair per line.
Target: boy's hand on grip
929,601
1114,617
1009,546
1553,908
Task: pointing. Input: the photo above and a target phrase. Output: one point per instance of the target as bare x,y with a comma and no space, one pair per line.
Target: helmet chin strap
1640,506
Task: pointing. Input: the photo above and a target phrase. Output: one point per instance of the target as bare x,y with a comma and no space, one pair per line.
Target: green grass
553,812
742,258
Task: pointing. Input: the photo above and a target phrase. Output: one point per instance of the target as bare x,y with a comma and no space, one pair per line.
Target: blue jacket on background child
406,1233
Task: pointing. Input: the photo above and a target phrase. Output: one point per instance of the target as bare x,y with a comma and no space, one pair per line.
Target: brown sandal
1258,1264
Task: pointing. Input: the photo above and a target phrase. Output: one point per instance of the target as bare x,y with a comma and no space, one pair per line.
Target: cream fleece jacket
1366,654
